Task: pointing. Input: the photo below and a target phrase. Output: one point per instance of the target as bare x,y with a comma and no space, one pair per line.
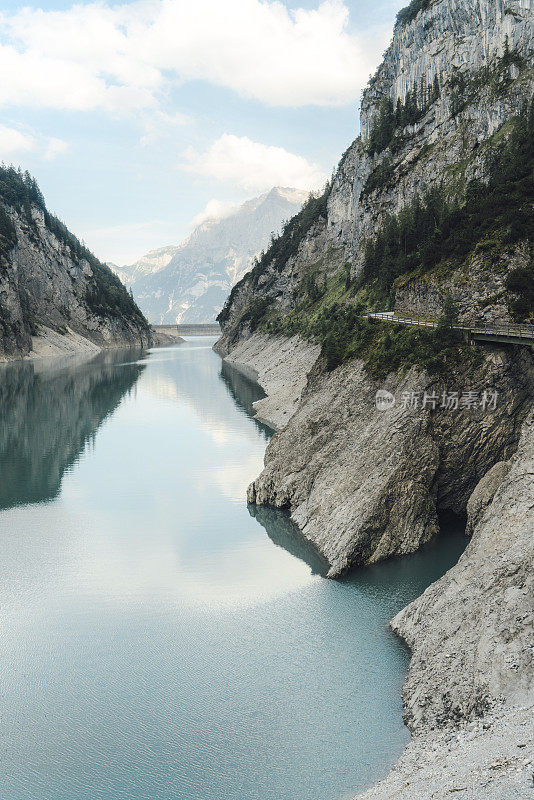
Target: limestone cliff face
470,633
480,53
49,284
364,484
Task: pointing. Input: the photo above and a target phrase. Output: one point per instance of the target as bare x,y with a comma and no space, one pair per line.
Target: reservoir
159,639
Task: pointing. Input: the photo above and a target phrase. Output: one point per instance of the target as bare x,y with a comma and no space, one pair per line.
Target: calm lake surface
159,640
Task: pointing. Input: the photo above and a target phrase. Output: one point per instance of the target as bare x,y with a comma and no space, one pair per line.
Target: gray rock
484,493
44,299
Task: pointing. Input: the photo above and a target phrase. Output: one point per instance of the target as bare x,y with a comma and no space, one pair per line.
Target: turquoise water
159,640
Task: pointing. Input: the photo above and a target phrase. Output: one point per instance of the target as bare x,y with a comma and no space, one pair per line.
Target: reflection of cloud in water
243,575
127,568
185,378
233,479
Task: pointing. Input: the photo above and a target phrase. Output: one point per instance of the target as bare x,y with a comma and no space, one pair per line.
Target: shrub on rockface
433,230
520,283
408,14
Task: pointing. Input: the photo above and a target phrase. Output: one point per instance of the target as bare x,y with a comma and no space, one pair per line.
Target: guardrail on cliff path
508,334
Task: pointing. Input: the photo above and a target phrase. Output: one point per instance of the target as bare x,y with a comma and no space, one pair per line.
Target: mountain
384,426
189,282
54,294
432,198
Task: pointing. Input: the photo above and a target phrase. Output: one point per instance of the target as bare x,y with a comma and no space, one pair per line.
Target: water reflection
244,393
155,644
283,532
49,411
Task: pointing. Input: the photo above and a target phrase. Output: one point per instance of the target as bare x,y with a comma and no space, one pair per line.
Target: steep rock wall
464,44
364,484
45,289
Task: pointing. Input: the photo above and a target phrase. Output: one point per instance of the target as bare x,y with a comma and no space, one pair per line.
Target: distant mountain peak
189,282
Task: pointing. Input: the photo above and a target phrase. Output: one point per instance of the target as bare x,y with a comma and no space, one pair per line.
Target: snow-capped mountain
190,282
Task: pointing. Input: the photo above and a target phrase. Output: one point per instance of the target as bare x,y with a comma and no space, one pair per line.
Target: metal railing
502,331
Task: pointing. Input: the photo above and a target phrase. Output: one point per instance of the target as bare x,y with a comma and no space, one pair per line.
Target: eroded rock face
357,481
471,632
484,493
364,484
478,289
280,365
41,285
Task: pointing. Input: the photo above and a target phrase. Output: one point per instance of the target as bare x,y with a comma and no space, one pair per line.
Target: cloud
126,57
13,141
214,210
125,242
159,124
55,148
253,166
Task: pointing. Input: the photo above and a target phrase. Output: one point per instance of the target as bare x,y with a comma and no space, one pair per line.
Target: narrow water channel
159,640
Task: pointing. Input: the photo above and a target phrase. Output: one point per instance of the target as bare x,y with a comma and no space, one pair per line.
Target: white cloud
126,242
13,141
159,124
55,147
122,58
215,209
253,166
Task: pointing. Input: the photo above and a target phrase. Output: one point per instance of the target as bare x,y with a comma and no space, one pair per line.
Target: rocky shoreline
468,696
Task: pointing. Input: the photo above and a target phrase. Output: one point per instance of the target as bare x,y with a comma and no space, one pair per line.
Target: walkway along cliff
428,215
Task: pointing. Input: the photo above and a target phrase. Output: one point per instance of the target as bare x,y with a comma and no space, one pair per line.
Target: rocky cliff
432,201
434,121
190,282
428,213
470,686
54,294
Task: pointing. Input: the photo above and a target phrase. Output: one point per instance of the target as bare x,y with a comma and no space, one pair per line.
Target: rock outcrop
471,632
55,296
470,687
364,484
281,367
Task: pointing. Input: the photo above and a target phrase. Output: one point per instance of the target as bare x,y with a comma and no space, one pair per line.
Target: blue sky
136,117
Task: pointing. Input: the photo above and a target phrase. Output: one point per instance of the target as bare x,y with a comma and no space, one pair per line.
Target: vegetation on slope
390,119
20,191
436,233
408,14
281,249
337,320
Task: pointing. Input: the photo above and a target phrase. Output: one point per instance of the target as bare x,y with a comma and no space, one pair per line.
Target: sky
138,118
